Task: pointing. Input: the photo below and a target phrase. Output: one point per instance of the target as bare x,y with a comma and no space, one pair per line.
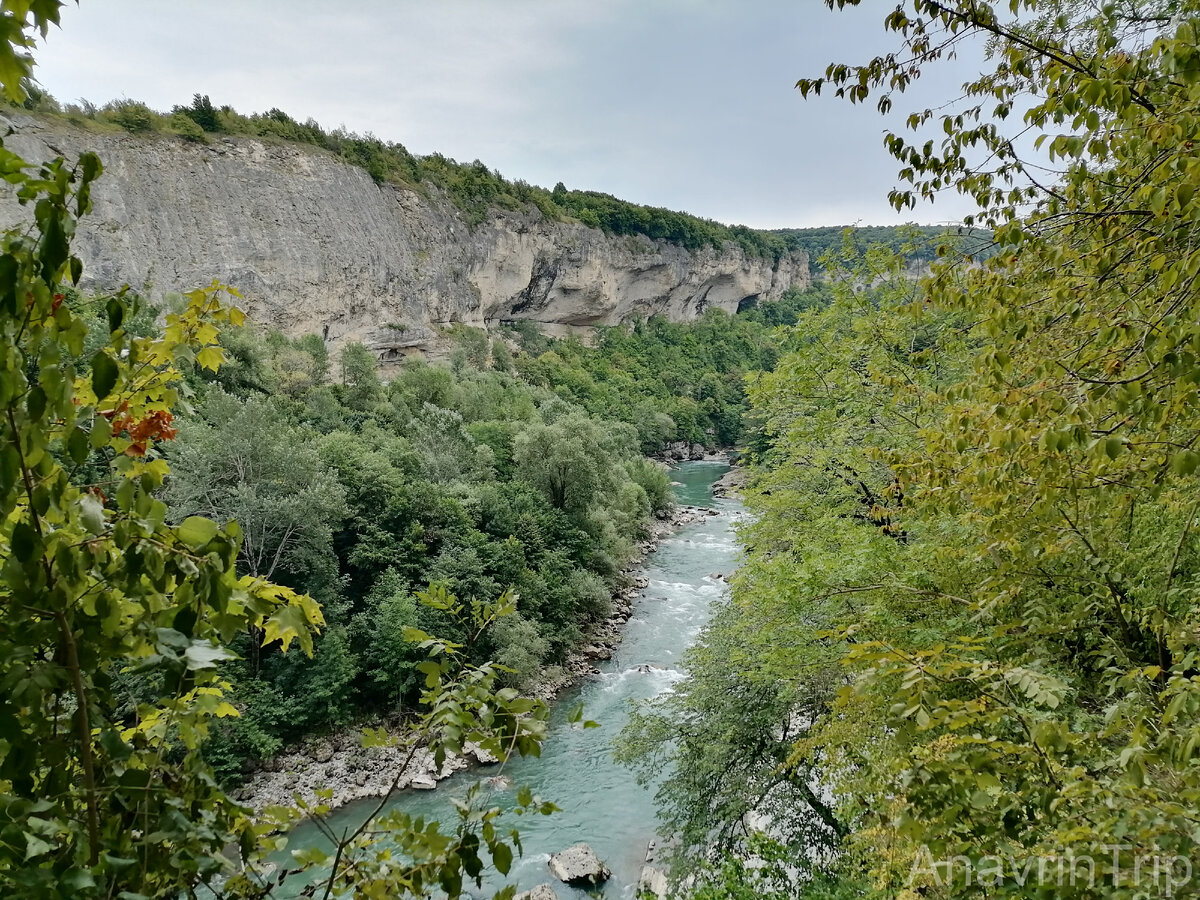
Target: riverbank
341,764
732,483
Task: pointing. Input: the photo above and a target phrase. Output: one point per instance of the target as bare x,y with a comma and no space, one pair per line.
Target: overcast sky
687,104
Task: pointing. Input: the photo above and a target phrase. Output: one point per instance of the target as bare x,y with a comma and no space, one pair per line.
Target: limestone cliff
316,246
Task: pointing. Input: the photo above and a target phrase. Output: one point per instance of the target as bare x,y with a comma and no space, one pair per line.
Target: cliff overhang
316,246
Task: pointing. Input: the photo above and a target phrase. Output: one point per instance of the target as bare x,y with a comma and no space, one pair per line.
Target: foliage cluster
967,624
95,578
673,381
359,493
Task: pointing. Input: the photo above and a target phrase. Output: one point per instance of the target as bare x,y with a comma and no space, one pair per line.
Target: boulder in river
541,892
578,864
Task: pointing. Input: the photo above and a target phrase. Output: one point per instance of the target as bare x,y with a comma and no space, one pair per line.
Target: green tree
985,502
99,798
241,460
561,460
360,377
202,112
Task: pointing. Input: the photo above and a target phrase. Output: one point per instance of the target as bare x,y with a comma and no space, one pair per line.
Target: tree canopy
975,496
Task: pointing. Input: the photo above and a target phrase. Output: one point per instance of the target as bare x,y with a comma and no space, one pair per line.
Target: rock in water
541,892
578,865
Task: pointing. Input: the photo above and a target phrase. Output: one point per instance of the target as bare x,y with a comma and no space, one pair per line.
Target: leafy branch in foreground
1013,700
392,851
101,796
96,581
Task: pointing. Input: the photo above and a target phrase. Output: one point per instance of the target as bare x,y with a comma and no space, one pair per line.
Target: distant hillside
918,242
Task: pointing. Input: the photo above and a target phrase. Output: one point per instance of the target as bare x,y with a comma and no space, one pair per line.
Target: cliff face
316,246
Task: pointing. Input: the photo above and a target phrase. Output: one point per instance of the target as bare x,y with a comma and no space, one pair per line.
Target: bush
184,127
591,594
520,647
201,112
654,480
132,116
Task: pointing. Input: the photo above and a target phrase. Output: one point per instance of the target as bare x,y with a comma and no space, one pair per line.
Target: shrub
184,127
131,115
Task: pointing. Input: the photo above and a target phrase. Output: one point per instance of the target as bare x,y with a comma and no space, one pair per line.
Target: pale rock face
541,892
578,864
316,246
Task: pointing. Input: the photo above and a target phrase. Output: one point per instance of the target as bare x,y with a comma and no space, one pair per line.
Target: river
600,801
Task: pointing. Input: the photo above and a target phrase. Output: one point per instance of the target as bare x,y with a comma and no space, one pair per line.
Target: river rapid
600,802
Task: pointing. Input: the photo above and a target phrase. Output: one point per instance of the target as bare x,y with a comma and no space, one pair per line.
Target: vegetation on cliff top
474,188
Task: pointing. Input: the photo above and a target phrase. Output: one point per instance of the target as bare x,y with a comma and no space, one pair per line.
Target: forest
959,659
917,243
519,469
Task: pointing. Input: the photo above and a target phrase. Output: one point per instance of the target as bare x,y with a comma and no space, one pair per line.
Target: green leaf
77,880
414,635
196,531
35,402
101,432
205,655
24,541
502,857
1185,462
104,374
10,468
35,846
286,624
210,358
77,446
115,310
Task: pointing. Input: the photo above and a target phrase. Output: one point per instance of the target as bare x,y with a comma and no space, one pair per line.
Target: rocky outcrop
732,483
541,892
341,764
578,865
653,880
316,246
682,451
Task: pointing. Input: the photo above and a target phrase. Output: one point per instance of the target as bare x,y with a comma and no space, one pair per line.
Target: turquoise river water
600,801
